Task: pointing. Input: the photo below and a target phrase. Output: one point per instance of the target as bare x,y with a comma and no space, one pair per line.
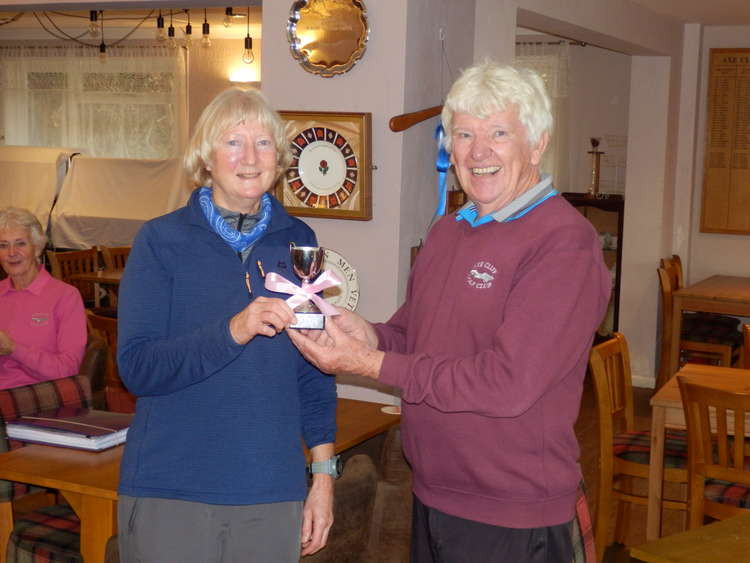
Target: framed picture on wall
331,171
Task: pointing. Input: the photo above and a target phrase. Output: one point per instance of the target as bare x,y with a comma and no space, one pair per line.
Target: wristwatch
331,466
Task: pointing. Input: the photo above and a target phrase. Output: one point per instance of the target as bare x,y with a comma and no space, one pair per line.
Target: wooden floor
588,437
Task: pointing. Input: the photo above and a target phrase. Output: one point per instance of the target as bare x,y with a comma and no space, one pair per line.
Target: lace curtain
131,106
550,60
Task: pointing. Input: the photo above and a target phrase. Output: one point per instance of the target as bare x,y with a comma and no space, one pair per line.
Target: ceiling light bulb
247,55
102,52
188,36
171,41
93,24
228,17
206,40
160,34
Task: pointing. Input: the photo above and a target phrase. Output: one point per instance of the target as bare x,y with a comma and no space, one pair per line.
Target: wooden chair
115,257
623,452
65,264
718,460
704,340
746,346
50,532
673,265
117,397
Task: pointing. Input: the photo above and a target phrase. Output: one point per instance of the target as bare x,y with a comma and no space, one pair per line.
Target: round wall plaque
328,37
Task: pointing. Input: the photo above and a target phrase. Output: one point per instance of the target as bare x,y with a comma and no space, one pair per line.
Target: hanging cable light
102,46
247,55
93,24
188,32
160,35
205,40
228,17
171,41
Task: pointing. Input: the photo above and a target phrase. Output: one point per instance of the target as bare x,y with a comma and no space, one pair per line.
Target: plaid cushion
734,494
636,447
73,391
51,533
584,549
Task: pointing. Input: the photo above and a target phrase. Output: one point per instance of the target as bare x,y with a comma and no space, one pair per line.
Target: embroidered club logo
481,275
39,319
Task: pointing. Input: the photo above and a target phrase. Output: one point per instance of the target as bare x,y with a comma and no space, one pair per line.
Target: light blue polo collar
513,210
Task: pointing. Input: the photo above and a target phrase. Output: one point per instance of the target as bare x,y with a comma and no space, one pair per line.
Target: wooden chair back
107,329
717,421
115,257
117,397
609,364
65,264
746,346
673,265
718,353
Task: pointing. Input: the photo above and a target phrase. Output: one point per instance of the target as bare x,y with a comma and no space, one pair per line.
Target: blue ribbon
442,164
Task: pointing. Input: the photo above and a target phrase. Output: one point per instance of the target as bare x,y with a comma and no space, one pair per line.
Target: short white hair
488,87
15,217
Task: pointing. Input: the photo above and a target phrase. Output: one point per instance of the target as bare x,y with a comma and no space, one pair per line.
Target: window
131,106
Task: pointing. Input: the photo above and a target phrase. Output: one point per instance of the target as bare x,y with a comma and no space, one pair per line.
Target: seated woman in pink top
42,321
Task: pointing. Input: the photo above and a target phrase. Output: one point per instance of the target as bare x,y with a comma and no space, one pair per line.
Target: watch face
347,294
324,169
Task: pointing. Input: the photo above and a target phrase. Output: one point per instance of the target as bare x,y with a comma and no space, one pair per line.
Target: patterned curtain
551,61
132,105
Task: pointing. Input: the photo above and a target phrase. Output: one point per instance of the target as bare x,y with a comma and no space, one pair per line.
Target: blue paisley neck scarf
237,240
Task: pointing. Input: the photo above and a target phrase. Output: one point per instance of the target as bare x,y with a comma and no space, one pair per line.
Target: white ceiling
707,12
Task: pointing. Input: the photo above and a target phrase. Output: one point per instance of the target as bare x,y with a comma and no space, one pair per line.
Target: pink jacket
47,322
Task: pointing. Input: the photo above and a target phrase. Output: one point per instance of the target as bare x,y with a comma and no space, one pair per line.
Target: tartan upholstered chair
49,533
718,460
623,452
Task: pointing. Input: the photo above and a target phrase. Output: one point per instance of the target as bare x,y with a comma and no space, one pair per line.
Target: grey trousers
153,530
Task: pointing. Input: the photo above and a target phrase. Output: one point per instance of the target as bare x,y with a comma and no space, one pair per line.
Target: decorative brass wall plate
328,37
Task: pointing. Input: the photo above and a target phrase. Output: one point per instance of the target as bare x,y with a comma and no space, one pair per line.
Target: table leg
98,523
655,474
674,352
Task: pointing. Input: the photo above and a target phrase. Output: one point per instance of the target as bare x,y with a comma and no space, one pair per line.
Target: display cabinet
605,212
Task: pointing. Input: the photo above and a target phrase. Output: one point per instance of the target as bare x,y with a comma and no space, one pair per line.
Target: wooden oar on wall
406,120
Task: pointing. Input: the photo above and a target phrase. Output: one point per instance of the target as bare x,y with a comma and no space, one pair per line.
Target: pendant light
247,55
188,32
228,17
160,34
171,41
102,46
205,40
93,24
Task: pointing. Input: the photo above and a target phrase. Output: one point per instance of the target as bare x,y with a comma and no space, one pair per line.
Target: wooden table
102,277
726,540
88,480
718,294
666,410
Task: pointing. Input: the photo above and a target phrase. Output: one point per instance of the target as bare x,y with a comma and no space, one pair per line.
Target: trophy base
314,321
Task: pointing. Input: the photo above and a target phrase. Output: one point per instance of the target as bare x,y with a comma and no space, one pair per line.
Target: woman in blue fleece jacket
223,397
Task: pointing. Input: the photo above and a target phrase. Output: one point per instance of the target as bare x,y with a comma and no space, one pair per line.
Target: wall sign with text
726,174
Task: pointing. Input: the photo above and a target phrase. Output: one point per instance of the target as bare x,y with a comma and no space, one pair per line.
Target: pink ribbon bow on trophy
305,292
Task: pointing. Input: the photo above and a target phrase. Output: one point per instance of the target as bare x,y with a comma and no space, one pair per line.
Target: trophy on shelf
596,156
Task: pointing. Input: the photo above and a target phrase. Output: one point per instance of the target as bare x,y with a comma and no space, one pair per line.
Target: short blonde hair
11,217
487,87
231,107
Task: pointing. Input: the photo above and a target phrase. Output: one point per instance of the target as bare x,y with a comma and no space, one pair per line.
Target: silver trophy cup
307,262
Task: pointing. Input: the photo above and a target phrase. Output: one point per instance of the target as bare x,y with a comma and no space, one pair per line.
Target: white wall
712,253
598,107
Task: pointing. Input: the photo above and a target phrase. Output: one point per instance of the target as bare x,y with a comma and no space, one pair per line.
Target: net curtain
551,61
131,106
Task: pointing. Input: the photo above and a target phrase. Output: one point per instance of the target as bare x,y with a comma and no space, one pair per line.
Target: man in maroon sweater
491,345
